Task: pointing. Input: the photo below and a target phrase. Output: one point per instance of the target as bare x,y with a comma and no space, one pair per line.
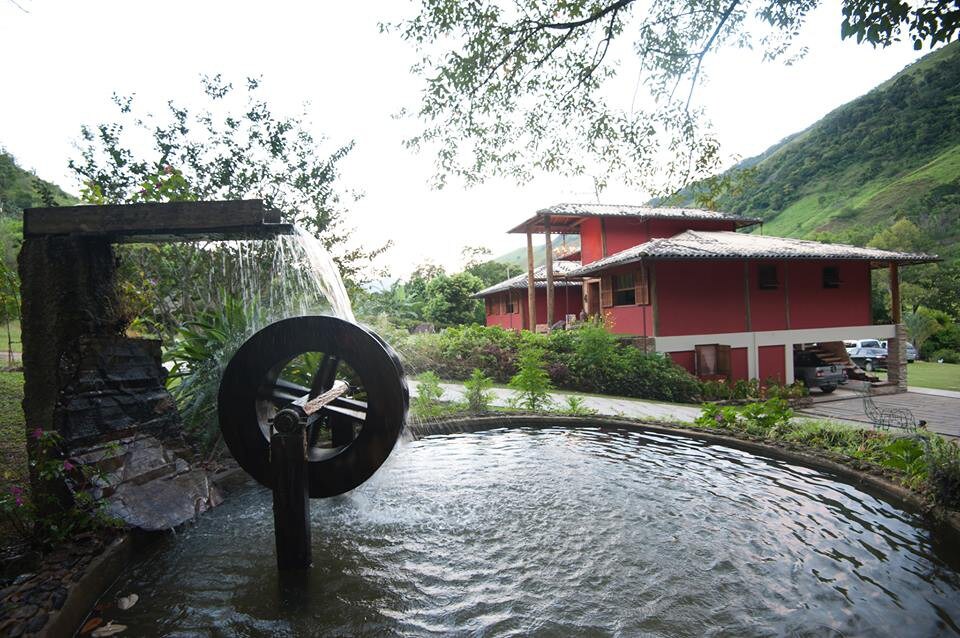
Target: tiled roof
729,245
560,269
627,210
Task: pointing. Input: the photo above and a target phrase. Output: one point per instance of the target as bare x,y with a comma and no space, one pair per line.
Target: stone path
611,406
942,413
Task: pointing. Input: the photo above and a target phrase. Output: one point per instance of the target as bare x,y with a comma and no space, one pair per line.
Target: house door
593,298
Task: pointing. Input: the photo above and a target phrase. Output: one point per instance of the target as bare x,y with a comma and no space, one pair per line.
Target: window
509,305
624,292
767,277
712,360
831,277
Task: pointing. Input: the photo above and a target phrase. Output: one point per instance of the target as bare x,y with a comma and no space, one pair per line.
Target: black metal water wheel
352,436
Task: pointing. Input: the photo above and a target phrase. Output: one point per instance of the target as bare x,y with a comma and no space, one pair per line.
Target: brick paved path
942,413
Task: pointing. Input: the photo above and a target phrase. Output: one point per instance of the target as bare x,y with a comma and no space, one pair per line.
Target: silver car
911,351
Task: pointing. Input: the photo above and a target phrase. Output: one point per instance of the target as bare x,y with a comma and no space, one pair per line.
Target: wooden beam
603,237
548,247
652,273
746,293
531,287
171,221
895,305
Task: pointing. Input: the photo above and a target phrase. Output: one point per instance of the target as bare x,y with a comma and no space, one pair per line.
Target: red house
718,301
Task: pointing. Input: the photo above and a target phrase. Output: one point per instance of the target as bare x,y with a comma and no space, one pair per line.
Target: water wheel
294,363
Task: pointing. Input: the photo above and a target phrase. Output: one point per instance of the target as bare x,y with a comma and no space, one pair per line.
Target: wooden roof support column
531,286
895,306
548,247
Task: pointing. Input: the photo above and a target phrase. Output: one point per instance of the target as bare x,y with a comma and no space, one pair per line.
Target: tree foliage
518,86
449,302
235,148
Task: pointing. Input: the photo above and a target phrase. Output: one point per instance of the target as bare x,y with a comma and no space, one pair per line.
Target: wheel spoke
283,392
325,376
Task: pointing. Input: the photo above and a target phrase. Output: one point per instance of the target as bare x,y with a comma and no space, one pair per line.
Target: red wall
511,321
623,233
813,306
772,364
768,308
591,246
685,360
630,320
700,297
739,368
567,300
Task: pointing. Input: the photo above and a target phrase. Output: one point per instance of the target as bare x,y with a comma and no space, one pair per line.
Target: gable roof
565,217
560,269
694,244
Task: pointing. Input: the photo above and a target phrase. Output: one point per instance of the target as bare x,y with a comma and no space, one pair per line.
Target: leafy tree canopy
236,148
448,300
517,86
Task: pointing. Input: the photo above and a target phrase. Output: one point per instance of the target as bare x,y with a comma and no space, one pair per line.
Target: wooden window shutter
723,361
641,287
606,291
503,304
487,303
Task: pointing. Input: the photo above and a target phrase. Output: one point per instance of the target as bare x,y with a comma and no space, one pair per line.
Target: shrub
767,419
577,407
531,382
478,393
427,402
946,356
943,463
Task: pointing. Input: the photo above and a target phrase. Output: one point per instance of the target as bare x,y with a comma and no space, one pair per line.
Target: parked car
869,354
815,372
911,351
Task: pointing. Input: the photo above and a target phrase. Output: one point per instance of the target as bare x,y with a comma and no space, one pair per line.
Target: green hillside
21,189
518,257
891,154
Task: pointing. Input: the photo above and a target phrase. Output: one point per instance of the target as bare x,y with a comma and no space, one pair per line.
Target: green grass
13,343
940,376
13,452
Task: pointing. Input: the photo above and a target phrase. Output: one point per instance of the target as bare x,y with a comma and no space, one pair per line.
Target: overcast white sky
63,60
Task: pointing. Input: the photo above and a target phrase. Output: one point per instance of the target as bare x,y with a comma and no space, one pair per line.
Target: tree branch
706,48
616,6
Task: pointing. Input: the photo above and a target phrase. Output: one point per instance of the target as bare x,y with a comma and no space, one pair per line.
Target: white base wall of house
753,341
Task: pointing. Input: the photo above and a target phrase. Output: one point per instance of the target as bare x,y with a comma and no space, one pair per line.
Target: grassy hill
518,257
892,153
21,189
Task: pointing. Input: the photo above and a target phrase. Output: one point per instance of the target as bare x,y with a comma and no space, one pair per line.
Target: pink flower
17,493
38,434
67,465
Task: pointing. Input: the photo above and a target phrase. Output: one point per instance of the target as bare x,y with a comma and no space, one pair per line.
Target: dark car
815,372
869,354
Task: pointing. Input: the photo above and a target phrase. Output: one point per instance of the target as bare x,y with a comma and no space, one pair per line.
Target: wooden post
895,309
291,495
531,286
548,246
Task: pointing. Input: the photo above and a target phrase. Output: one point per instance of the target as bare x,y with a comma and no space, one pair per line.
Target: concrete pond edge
860,475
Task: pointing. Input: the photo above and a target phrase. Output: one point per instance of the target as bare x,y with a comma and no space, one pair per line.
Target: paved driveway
942,413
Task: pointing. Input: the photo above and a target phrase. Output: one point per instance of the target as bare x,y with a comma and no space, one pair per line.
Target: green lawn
10,337
923,374
13,454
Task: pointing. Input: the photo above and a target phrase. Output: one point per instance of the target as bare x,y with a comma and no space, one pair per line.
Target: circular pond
562,532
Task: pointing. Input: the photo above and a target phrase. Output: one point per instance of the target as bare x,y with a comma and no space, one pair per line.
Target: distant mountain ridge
19,188
892,153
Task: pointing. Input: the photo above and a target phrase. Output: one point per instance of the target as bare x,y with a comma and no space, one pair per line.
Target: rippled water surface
561,532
